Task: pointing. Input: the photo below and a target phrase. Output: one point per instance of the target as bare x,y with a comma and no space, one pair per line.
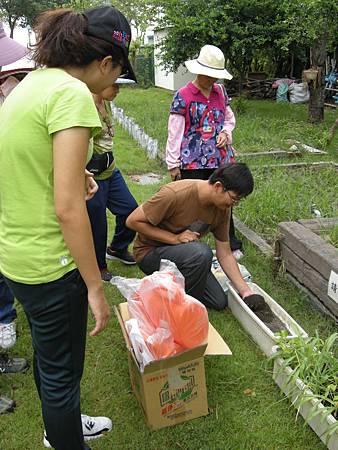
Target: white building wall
182,77
168,80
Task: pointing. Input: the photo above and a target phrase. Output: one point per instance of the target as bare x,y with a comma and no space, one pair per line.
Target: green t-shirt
32,247
103,141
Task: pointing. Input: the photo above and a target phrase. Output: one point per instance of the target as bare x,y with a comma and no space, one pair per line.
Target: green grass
284,195
280,195
263,421
151,109
331,235
265,124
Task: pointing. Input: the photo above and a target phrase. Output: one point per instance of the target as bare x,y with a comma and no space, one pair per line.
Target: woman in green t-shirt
46,247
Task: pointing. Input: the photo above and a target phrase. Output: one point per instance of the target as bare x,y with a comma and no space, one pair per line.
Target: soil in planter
263,311
270,320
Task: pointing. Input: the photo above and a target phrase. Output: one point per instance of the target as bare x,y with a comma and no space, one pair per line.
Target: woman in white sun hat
201,123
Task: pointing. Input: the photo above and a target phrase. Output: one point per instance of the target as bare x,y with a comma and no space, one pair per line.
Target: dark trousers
57,315
7,310
204,174
113,194
193,260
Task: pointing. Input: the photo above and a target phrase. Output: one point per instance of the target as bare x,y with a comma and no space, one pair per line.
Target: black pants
57,315
204,174
193,260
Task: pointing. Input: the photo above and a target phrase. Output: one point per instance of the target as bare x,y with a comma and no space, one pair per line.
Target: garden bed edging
256,328
293,390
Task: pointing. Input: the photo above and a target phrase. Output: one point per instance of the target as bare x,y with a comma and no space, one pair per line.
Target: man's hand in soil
246,293
187,236
255,302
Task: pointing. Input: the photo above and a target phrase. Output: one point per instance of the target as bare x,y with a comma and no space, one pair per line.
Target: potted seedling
306,370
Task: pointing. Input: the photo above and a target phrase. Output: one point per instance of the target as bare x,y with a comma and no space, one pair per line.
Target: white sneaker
7,335
237,254
92,427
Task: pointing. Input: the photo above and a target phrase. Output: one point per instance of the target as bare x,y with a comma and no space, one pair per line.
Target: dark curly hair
62,41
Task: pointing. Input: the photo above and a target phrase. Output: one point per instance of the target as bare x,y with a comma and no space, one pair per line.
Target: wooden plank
280,154
303,165
253,237
275,153
319,224
309,278
311,248
313,299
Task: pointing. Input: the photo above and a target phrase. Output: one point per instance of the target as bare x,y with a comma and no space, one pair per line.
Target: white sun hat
210,62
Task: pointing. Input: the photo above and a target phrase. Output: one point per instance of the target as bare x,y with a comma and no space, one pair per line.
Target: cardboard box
172,390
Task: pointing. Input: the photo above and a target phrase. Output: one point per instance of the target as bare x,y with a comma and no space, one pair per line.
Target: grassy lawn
264,125
331,236
280,195
261,421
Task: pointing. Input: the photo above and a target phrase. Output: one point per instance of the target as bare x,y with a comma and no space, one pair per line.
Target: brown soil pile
258,305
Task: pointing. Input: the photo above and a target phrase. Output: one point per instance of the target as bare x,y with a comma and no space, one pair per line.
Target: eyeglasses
234,198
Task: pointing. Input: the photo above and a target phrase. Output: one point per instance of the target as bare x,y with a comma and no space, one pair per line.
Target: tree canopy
138,12
24,12
250,32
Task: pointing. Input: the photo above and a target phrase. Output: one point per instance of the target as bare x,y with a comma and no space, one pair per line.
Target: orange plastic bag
169,320
165,300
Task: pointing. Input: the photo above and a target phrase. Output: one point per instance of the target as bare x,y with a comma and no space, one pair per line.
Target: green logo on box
172,398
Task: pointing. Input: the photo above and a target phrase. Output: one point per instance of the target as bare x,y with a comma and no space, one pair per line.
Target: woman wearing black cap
46,248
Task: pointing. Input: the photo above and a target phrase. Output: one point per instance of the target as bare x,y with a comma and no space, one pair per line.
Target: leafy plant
313,361
240,104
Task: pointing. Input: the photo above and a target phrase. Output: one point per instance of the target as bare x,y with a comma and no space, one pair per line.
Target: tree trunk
12,22
317,93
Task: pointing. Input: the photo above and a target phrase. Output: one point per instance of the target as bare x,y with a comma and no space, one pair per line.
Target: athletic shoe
92,427
12,365
6,405
106,275
237,254
7,335
120,255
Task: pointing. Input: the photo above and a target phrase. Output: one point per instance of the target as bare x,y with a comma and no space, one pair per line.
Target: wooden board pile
309,259
251,88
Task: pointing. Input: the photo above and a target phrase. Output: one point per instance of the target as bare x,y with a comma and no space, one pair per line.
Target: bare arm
69,153
230,267
137,221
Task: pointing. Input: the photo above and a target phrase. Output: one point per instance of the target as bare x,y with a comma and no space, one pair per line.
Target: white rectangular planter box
319,424
258,330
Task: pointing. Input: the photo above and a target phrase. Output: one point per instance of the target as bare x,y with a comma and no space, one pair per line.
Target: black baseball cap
110,25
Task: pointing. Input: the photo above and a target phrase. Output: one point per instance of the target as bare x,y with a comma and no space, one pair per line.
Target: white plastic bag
141,351
299,93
